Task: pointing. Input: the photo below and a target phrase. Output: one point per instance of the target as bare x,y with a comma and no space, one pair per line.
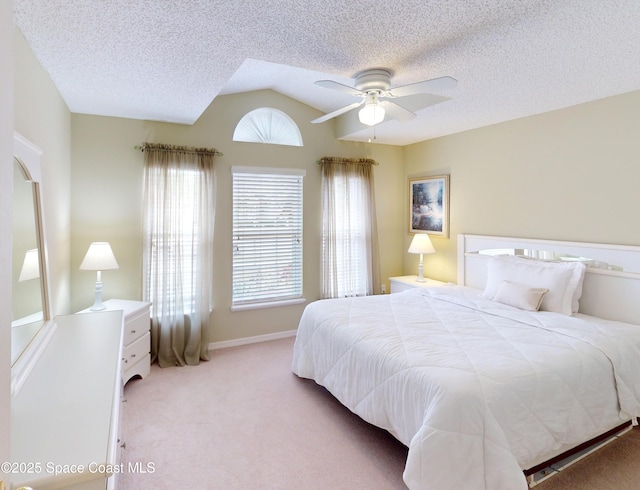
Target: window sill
269,304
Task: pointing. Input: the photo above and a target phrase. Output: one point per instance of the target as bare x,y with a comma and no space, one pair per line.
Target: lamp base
420,277
98,305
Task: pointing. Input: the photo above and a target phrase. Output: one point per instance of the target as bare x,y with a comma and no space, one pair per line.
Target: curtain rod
215,152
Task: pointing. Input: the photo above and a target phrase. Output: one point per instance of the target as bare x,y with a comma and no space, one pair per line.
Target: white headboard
612,293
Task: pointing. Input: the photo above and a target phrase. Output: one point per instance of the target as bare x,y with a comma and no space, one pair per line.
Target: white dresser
401,283
65,417
136,336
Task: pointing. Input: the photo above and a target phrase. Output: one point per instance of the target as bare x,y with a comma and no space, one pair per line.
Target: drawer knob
133,331
132,356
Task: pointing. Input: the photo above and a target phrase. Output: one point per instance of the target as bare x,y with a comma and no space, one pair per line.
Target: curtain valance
352,161
177,149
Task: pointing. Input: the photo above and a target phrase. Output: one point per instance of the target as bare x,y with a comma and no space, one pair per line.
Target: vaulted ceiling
167,60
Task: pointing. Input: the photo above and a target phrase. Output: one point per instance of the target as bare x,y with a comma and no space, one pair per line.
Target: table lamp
99,258
421,244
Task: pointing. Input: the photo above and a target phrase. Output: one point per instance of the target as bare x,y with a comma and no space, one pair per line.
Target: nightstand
402,283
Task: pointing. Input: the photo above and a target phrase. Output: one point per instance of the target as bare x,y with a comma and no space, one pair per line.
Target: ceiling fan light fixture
372,113
374,84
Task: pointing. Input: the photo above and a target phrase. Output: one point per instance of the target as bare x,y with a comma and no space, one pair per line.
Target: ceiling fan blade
397,111
426,86
337,112
340,87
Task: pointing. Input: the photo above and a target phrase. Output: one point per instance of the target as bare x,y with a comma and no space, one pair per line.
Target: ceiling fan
374,88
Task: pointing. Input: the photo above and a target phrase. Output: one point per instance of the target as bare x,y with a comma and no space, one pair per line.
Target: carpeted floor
244,421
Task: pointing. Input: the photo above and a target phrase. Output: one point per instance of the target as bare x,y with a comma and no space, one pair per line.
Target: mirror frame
29,157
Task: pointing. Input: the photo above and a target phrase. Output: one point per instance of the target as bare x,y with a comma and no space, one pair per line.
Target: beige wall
107,191
570,174
42,117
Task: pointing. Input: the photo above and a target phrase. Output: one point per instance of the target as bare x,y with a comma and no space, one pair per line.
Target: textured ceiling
167,60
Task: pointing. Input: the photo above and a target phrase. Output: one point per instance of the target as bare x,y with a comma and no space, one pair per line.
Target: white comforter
476,390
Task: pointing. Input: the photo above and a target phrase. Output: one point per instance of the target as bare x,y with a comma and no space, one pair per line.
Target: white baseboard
252,340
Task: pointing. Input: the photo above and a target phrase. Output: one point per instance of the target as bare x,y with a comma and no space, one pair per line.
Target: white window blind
267,235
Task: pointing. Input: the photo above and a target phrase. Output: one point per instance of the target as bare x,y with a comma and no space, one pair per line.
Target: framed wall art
429,205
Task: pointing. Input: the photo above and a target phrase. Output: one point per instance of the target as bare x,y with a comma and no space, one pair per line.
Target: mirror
31,324
26,290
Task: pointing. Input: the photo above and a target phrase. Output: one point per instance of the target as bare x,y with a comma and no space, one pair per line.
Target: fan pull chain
374,134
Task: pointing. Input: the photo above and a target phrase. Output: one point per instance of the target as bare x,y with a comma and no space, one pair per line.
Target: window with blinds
173,238
347,236
267,236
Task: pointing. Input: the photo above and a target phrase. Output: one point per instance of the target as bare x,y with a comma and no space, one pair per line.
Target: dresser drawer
140,368
137,350
402,283
135,327
397,287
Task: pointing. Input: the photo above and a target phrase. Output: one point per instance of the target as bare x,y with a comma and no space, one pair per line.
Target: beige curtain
179,204
350,258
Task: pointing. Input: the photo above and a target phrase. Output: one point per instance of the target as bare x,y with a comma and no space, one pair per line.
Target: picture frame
429,205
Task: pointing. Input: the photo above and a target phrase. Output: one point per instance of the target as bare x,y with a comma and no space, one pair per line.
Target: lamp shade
30,266
99,258
421,244
372,113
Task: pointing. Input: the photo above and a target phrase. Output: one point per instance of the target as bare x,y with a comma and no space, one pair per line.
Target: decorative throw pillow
520,296
562,279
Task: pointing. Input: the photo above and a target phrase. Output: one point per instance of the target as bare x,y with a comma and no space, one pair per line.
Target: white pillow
562,279
520,296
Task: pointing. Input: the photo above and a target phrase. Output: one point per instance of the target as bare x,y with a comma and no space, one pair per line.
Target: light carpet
244,421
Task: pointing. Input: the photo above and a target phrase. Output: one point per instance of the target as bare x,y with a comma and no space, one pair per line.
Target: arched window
267,125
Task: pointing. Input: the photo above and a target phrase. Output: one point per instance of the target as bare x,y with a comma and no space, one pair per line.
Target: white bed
478,390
